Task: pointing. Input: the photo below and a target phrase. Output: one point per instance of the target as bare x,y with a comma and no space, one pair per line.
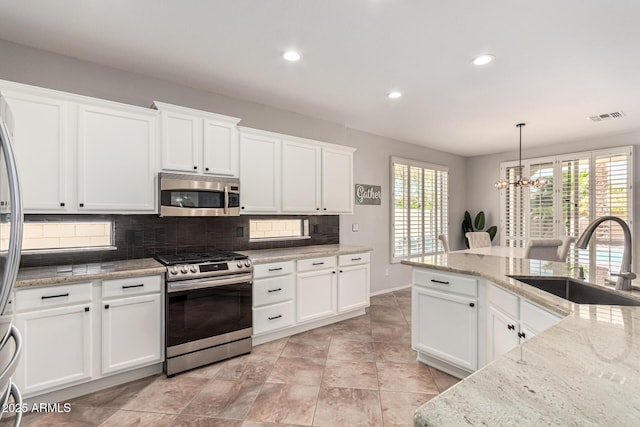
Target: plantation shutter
513,230
419,211
541,205
575,202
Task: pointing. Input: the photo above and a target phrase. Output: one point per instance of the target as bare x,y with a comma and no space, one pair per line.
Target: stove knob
194,268
174,270
183,269
247,263
239,264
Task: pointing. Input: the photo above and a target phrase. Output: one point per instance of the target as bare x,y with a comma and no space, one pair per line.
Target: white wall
483,171
32,66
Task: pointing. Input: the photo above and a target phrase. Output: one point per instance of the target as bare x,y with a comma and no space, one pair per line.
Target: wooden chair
478,239
546,249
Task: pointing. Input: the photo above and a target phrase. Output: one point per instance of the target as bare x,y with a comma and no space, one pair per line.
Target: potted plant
478,223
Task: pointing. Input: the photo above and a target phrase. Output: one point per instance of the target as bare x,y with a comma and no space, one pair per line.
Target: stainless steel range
208,308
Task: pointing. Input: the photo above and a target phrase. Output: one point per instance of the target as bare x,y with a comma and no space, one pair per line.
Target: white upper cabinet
41,139
78,154
337,180
116,158
259,173
301,175
198,142
305,177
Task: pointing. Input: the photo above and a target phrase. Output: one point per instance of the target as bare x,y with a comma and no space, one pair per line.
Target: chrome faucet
626,276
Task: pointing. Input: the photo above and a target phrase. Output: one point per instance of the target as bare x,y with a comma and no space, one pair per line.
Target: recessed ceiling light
291,55
394,95
483,59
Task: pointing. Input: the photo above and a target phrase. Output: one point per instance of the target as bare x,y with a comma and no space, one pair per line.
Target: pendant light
520,182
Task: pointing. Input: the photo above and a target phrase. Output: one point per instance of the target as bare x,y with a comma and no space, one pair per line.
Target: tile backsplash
146,236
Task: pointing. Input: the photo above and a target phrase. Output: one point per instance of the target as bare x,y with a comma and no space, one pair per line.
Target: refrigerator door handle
16,217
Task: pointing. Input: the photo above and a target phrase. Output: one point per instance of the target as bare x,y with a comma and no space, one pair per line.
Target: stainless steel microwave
195,195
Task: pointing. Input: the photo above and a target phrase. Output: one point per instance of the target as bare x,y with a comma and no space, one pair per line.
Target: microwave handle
226,200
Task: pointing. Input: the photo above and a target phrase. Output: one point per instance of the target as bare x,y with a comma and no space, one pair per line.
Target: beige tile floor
361,371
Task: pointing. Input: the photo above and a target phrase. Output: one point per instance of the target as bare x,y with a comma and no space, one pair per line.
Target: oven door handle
186,285
226,200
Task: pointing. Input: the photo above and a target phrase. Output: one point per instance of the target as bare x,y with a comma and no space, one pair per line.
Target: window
53,236
419,208
278,229
580,188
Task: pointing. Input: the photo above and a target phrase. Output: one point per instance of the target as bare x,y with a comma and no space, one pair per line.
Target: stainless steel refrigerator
11,219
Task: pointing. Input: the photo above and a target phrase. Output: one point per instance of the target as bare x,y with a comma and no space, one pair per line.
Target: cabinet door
259,173
315,295
503,333
131,332
337,181
181,136
116,160
220,148
41,141
446,327
353,287
300,177
57,348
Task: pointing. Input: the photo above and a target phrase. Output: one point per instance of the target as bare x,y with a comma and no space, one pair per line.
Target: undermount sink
576,291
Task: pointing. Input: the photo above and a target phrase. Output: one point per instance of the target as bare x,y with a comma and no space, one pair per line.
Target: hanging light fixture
520,182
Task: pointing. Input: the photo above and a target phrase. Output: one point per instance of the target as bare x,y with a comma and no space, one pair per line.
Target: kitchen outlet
386,271
355,227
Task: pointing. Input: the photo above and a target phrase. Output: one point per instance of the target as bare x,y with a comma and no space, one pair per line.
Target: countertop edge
266,256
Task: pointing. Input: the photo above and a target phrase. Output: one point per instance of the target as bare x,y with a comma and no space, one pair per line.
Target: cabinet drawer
445,282
316,263
272,290
52,296
535,318
273,269
503,300
272,317
131,286
344,260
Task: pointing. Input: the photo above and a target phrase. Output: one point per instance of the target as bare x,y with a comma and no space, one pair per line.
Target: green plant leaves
479,221
492,231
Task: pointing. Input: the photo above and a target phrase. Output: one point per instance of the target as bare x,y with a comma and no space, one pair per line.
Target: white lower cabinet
512,320
81,332
131,332
316,295
294,296
445,326
57,348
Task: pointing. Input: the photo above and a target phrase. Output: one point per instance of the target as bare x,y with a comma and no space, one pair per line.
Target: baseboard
386,291
443,366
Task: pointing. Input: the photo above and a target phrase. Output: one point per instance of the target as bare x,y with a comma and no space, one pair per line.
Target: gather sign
368,194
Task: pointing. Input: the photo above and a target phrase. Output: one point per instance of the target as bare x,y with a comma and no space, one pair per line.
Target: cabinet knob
206,169
82,205
333,272
106,307
522,335
195,168
62,204
511,327
324,209
86,309
340,271
242,207
317,209
472,304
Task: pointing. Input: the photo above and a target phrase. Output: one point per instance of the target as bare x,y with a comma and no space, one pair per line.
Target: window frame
558,227
442,223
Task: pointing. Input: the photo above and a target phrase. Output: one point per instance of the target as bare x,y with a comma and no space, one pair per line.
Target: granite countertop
55,275
585,370
265,256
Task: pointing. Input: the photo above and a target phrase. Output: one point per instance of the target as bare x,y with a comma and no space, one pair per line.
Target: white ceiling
557,62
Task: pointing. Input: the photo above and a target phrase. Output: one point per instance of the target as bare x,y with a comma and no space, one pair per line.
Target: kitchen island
585,370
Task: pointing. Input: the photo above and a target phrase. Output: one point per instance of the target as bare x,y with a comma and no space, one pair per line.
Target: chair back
478,239
563,249
445,242
546,249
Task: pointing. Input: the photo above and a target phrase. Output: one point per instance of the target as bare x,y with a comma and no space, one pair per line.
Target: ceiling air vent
608,116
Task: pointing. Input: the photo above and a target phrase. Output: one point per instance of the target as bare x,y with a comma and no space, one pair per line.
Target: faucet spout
626,276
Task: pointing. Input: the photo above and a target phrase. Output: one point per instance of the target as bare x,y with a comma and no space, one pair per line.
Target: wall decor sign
368,194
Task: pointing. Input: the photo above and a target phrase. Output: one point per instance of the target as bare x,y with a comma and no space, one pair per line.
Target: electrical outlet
386,271
355,227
